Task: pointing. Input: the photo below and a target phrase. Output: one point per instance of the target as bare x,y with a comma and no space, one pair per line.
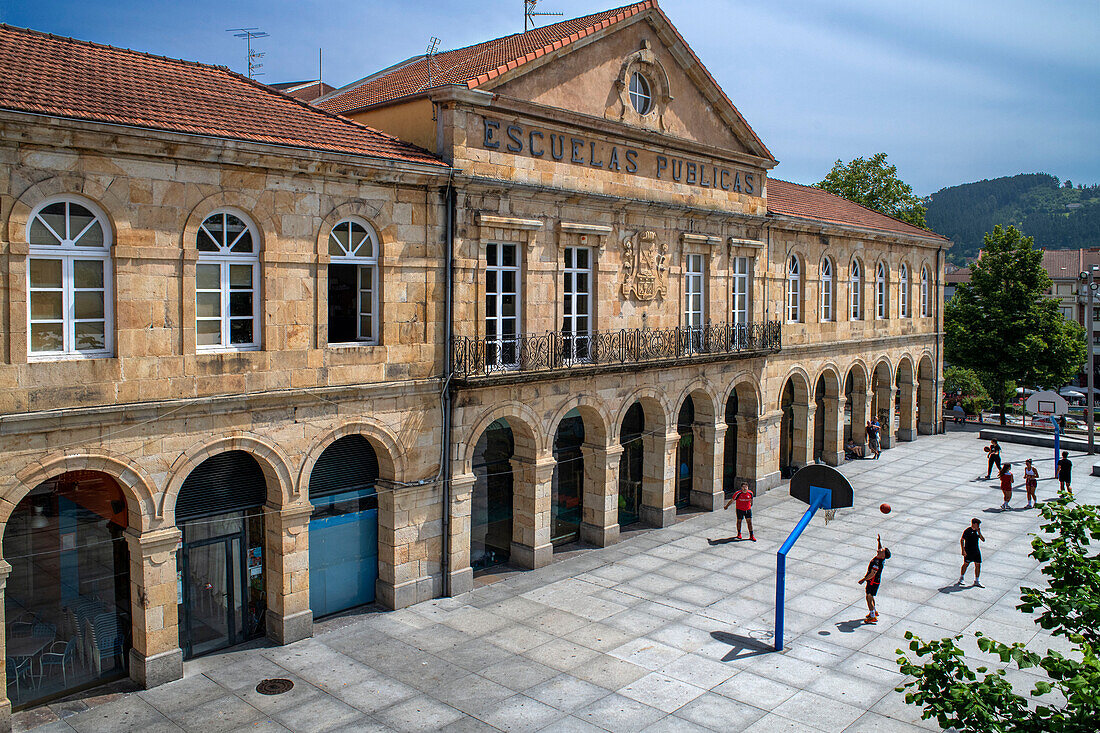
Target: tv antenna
250,34
433,44
529,14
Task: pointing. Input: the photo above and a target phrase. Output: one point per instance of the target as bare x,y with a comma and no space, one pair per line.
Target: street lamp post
1088,278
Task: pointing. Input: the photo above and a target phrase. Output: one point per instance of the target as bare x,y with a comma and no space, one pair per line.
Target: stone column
659,479
5,703
861,409
928,409
710,444
403,549
155,657
458,566
600,521
833,452
886,416
907,426
531,547
802,435
286,572
765,463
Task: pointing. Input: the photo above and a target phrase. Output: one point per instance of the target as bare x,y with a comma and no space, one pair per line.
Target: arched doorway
492,497
906,402
729,451
221,564
567,489
631,465
343,529
855,405
819,419
67,600
786,431
882,403
926,396
685,453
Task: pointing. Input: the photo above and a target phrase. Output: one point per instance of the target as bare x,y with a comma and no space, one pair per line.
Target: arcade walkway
667,630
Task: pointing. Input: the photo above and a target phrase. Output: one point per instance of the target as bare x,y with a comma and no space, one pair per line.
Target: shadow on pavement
848,627
743,647
723,541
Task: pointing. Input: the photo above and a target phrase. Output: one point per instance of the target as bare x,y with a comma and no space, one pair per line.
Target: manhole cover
274,687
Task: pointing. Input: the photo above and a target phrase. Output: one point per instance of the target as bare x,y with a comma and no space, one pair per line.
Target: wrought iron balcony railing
557,351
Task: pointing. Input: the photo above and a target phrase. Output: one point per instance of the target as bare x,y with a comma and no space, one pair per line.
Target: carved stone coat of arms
645,267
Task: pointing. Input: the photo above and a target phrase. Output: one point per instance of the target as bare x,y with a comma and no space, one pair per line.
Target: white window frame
855,282
828,294
577,304
68,253
740,294
641,94
353,255
925,293
794,289
903,282
496,346
695,300
225,259
881,301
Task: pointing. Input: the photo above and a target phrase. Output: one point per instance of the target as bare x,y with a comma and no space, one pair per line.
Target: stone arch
138,487
828,416
658,415
801,386
832,381
281,490
530,442
392,461
927,397
906,384
703,395
883,395
748,394
114,207
597,422
267,226
348,210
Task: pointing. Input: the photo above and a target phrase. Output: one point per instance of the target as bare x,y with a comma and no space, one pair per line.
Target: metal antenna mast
529,14
433,44
254,57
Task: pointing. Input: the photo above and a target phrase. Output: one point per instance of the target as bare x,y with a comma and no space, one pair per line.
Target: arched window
827,295
880,291
69,279
227,298
903,282
925,293
794,290
353,283
856,286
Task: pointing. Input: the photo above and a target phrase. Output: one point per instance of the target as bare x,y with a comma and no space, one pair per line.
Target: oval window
640,96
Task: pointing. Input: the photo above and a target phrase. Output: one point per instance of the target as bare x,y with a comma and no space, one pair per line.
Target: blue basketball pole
1057,442
818,498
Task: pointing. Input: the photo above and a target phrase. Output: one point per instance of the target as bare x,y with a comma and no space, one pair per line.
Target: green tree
875,184
957,697
966,386
1001,323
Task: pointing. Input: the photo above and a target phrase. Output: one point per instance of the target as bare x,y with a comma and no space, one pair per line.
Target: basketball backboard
1046,403
823,477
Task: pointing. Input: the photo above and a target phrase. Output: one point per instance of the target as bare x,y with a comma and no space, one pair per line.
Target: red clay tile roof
473,65
64,77
806,202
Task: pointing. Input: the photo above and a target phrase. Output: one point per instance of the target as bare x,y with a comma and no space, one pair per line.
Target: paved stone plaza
668,630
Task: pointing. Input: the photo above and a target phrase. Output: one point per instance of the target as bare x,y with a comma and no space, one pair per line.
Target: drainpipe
448,348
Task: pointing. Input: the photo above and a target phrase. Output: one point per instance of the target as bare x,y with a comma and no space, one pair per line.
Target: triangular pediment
591,76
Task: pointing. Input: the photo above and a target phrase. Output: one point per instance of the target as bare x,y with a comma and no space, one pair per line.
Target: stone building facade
225,346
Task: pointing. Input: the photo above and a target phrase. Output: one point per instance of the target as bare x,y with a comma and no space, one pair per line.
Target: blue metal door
343,551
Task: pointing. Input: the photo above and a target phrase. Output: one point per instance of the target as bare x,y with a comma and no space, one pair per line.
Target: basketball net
830,515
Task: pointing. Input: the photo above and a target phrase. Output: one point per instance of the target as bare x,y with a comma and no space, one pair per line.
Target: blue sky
952,91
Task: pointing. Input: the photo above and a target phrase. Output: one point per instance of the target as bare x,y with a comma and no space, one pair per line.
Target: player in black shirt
971,551
873,578
1064,470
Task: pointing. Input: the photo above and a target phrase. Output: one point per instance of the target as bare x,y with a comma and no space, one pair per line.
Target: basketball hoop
830,515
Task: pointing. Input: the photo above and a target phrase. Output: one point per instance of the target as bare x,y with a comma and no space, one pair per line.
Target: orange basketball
884,508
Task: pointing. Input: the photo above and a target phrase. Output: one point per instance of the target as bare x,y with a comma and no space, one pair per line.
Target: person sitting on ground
853,451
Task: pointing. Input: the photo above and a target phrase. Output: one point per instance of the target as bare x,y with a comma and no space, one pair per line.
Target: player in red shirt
743,497
1006,484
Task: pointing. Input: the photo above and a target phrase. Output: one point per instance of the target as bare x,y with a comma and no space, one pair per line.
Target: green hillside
1060,215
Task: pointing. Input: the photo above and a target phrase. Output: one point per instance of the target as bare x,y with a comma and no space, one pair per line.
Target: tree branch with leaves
874,183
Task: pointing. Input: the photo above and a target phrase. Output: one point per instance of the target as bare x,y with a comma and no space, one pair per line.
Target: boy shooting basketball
743,497
873,578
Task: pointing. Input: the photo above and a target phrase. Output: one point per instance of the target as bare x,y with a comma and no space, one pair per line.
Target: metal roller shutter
349,463
227,482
